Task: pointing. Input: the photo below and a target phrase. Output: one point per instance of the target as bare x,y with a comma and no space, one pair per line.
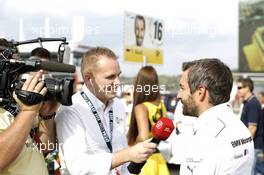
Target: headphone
90,79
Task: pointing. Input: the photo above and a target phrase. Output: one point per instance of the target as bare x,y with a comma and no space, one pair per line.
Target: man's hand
137,153
141,151
32,84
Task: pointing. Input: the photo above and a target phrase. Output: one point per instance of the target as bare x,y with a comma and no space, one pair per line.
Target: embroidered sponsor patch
239,142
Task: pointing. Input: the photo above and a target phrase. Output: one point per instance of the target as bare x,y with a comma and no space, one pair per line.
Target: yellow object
155,112
30,161
136,54
156,164
254,52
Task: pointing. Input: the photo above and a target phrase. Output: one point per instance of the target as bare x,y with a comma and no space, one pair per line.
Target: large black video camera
12,68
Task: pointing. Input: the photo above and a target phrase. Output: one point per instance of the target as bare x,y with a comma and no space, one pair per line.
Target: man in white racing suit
221,144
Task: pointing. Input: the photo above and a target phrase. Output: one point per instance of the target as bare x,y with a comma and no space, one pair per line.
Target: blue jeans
258,166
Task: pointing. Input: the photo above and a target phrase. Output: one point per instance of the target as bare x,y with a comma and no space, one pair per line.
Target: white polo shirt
221,145
83,149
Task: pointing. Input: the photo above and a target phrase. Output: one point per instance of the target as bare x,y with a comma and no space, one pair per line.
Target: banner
143,37
251,36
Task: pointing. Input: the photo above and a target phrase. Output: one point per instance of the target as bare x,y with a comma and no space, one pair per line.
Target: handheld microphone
161,131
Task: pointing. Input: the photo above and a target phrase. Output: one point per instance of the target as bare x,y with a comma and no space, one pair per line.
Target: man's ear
202,93
88,77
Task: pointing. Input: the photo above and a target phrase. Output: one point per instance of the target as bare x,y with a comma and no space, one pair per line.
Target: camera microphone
57,67
161,131
37,64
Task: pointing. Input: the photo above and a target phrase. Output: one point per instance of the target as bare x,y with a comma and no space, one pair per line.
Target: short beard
189,107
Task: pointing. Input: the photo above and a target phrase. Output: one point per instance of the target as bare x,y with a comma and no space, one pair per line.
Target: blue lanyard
107,139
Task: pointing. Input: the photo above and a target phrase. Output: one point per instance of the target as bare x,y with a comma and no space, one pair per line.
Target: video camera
12,68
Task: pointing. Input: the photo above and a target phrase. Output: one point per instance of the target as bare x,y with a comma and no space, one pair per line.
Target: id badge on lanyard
107,139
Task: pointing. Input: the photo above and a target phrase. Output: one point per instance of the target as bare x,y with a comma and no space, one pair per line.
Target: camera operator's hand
32,84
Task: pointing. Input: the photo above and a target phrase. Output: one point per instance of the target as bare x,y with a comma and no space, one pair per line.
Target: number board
143,37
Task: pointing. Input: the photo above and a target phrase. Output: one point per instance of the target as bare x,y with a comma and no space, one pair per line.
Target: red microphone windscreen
163,128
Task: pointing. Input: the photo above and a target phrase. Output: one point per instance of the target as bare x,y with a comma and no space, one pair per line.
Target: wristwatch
48,117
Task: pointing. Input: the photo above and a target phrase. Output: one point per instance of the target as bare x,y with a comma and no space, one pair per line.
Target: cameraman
18,151
20,133
48,110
